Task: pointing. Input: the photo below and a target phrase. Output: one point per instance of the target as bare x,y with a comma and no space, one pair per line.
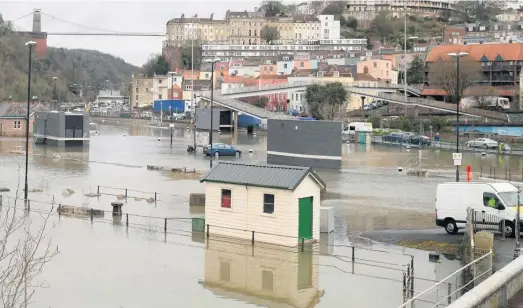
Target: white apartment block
329,27
306,29
231,52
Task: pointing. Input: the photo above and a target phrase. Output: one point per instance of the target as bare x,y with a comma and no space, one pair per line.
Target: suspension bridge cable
79,25
21,17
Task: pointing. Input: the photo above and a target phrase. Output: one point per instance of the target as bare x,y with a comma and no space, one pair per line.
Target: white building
275,204
110,100
304,8
329,27
297,101
162,85
230,52
306,28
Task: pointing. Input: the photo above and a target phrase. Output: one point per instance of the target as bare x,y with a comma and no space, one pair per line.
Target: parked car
221,149
367,108
485,143
419,139
374,105
397,137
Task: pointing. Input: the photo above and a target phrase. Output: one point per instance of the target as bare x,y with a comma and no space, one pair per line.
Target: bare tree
24,250
330,112
270,34
443,74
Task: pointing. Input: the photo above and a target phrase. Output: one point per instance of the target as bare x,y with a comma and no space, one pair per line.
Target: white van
453,199
354,127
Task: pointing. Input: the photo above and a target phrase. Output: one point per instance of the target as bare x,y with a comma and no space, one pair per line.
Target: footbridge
381,92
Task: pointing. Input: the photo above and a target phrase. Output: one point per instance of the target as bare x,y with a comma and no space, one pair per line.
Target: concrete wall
304,143
203,118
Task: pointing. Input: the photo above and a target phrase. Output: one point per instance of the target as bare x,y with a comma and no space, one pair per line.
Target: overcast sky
125,16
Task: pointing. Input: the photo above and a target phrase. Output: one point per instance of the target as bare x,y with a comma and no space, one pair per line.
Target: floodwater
104,263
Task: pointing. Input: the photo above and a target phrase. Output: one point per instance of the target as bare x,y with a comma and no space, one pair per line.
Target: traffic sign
456,156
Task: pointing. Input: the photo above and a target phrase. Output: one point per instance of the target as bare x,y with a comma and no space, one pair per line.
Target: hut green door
305,218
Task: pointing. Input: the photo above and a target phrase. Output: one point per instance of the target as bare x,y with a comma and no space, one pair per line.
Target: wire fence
501,173
198,231
126,193
454,285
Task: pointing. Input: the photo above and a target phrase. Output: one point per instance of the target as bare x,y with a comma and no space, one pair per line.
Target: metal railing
454,285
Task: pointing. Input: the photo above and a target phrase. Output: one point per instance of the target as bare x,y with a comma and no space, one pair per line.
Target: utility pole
518,227
193,103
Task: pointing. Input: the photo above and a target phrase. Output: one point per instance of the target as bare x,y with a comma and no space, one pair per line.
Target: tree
270,34
325,102
416,71
443,74
334,8
24,251
156,65
480,10
272,8
260,103
383,26
352,23
405,44
369,43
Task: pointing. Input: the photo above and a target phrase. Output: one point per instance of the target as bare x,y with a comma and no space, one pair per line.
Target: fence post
481,171
98,190
490,172
165,225
449,293
494,169
506,172
412,278
59,207
352,254
252,238
126,193
127,220
155,197
207,230
28,204
92,215
503,230
509,175
302,244
404,287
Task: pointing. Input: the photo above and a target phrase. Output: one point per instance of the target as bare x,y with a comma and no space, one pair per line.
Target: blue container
246,120
177,105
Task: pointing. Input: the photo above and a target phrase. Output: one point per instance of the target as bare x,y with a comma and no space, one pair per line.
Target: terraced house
500,68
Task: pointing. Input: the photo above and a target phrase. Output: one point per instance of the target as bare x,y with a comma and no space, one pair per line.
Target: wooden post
207,230
353,257
127,220
59,207
165,225
126,193
155,197
302,244
252,238
98,190
92,215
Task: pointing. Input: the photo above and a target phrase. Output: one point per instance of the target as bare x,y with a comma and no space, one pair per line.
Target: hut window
268,203
226,198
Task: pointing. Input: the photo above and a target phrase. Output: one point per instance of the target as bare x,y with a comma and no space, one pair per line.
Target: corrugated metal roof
261,175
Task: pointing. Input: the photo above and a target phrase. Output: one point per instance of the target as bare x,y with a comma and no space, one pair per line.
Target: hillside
89,69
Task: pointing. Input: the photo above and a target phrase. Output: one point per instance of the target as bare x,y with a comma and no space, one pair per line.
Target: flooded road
105,264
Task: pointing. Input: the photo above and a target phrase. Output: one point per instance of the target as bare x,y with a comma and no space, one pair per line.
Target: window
159,96
136,97
491,200
268,203
302,64
226,198
336,74
284,65
160,81
137,90
17,124
188,87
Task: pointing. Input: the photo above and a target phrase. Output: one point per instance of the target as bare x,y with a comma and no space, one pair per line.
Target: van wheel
509,229
450,226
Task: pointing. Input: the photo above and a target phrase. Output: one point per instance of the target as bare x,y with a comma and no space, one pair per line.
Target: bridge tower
37,35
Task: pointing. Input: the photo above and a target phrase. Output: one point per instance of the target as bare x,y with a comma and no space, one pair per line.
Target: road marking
304,155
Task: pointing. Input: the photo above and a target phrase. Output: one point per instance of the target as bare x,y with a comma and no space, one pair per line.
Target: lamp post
171,122
518,227
213,61
457,56
193,101
30,45
55,96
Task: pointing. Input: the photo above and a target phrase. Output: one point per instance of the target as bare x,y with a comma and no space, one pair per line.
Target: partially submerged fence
454,285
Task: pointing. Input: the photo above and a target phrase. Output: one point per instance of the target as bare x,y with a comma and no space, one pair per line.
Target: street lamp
55,96
30,45
212,61
457,56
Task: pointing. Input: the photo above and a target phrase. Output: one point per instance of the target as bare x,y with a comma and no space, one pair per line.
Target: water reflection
263,275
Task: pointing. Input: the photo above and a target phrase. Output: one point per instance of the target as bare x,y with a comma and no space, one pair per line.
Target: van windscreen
510,198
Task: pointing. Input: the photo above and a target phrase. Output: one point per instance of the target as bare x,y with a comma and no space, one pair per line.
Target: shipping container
246,120
177,105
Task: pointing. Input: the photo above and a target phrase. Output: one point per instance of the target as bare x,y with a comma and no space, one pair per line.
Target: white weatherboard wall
246,212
